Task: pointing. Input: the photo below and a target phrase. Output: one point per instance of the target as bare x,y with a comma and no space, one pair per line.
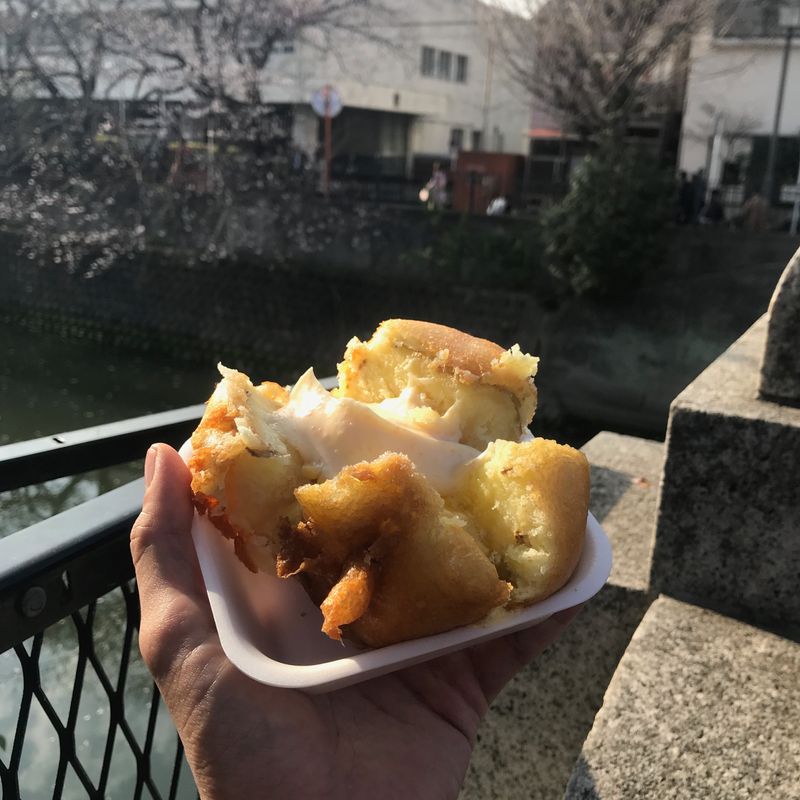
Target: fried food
402,500
416,572
491,390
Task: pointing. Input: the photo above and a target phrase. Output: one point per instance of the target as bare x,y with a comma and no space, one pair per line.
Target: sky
518,6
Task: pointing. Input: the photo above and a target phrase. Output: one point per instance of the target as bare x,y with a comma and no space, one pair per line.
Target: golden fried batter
404,565
385,556
493,387
245,486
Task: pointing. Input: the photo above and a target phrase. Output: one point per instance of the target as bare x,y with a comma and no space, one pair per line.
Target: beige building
731,100
427,81
417,78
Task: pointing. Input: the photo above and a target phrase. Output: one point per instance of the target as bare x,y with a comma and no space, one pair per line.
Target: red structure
478,178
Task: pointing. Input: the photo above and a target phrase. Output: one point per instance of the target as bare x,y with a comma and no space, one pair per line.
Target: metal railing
79,714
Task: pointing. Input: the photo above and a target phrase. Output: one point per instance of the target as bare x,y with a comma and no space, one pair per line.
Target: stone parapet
780,370
534,730
625,475
701,706
727,532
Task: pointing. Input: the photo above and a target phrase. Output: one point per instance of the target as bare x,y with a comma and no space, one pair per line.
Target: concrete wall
617,366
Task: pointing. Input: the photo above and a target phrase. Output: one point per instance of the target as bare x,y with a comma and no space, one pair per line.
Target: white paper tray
270,629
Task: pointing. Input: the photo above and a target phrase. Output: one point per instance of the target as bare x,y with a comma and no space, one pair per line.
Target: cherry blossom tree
594,63
74,182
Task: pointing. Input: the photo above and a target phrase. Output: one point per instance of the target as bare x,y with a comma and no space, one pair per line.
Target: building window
461,69
477,140
499,139
456,138
428,61
444,65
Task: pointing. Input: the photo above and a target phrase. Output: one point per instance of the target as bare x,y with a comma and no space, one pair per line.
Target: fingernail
150,465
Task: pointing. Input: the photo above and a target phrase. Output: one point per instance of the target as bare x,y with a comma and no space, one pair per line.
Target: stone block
701,706
727,535
626,471
534,730
780,370
528,743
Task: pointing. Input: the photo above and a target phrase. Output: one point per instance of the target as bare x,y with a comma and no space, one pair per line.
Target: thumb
176,617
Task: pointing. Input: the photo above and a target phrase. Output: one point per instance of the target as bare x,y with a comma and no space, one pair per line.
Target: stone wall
616,365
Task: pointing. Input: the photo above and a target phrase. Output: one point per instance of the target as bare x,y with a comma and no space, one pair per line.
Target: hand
404,735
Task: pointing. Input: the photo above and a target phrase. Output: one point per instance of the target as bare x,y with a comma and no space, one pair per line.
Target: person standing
685,199
699,188
713,212
755,213
436,188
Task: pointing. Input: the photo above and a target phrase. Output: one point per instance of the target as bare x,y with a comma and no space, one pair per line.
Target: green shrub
609,229
497,253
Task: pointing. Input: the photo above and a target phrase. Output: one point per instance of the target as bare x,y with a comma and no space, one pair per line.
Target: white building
428,81
418,78
731,100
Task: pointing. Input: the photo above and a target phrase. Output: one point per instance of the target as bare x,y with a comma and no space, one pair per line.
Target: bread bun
403,500
493,386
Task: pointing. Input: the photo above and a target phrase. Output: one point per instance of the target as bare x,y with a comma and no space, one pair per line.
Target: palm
408,734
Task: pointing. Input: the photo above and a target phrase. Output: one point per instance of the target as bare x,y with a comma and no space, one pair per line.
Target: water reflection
20,508
48,385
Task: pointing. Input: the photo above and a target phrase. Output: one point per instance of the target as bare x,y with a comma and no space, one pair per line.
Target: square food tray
270,629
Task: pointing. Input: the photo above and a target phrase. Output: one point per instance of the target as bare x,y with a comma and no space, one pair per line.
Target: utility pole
487,93
327,104
328,122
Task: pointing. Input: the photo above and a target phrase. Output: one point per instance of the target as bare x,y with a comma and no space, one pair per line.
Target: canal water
49,386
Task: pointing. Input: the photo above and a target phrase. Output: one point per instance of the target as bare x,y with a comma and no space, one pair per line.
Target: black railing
74,689
79,714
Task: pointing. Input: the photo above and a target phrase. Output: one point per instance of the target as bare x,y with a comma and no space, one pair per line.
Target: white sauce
334,432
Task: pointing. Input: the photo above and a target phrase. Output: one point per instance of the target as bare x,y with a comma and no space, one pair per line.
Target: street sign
326,102
790,193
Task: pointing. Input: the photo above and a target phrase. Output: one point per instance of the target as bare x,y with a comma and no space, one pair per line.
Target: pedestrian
713,212
699,187
434,193
685,199
755,213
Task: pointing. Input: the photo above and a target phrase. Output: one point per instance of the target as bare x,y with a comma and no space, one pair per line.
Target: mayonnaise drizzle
334,432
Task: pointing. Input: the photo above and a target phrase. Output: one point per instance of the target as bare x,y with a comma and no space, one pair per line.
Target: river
47,386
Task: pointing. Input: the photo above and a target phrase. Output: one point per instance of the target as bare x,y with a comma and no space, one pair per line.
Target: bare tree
591,62
220,50
58,49
15,27
76,185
